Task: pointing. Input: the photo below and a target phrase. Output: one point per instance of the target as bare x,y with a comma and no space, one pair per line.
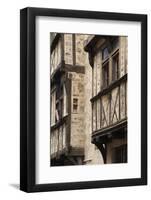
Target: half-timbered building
67,99
108,59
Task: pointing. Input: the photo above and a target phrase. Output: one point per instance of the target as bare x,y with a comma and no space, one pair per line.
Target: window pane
115,67
115,43
105,74
75,105
105,53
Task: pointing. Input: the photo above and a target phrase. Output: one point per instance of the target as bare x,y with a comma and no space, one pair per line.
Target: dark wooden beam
54,42
111,128
109,88
59,123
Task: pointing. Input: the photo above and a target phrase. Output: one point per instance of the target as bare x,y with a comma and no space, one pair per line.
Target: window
61,107
105,53
57,93
115,67
57,112
75,105
120,154
110,62
59,103
105,67
52,62
115,43
105,74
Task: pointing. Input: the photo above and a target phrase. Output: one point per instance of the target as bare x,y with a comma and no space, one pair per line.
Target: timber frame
103,135
68,155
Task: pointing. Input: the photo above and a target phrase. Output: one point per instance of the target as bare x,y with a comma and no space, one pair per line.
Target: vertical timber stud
69,82
110,102
62,47
119,104
74,49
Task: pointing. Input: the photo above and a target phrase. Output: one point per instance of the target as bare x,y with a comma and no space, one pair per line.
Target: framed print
83,99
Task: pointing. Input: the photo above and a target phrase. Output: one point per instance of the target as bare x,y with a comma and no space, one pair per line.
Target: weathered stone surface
79,49
68,49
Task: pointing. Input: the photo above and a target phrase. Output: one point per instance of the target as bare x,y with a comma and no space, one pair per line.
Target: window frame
116,73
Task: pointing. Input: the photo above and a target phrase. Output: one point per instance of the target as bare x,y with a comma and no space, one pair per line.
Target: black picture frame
28,98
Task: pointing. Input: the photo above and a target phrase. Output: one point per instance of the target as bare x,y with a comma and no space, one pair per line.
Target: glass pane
105,53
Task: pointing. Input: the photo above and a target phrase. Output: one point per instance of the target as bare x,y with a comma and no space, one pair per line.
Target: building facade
108,59
68,69
88,99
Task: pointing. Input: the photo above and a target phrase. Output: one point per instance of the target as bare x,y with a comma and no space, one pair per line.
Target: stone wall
77,111
68,48
79,49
